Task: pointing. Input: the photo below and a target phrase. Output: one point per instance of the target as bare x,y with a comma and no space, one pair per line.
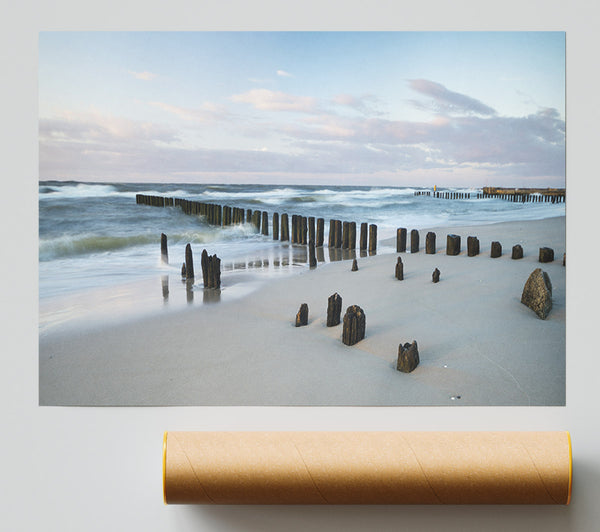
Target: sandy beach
478,344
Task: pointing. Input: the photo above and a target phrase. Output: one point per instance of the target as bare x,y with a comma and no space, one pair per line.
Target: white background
88,469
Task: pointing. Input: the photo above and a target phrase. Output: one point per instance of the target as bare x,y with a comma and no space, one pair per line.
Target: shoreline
476,340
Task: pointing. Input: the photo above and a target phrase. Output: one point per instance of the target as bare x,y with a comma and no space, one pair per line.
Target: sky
359,108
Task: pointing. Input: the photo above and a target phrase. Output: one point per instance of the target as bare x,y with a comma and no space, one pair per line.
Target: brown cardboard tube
367,467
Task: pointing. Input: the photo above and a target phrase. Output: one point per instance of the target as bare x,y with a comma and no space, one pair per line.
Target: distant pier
517,195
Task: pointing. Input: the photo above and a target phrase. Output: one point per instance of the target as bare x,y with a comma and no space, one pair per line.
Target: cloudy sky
359,108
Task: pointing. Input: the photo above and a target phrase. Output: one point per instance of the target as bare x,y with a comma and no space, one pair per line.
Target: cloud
365,104
448,101
284,74
145,76
208,112
267,100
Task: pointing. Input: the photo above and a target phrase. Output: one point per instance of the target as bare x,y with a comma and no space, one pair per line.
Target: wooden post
265,223
311,229
372,238
304,230
352,236
164,253
345,235
452,245
331,233
401,240
435,277
546,255
354,325
399,273
414,241
472,246
363,236
189,262
302,316
517,252
320,232
275,226
338,234
312,260
334,310
496,250
430,243
285,228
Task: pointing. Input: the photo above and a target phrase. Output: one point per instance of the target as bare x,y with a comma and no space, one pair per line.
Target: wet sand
478,344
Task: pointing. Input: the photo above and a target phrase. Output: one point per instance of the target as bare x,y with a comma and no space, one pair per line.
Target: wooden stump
399,270
183,272
189,262
354,266
164,253
312,259
408,357
302,316
372,238
517,252
345,235
352,236
436,276
472,246
452,245
311,229
334,310
496,250
363,236
414,241
285,227
338,233
354,325
320,232
275,226
401,240
430,243
546,255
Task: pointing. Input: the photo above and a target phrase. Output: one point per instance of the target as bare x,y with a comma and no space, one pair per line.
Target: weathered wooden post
363,236
204,265
408,357
354,325
275,226
372,238
189,262
265,223
414,241
517,252
430,243
399,269
472,246
352,236
302,316
546,255
338,234
334,310
311,229
331,233
312,260
183,272
496,250
354,266
401,240
285,227
304,230
345,235
294,228
452,245
164,253
320,232
435,277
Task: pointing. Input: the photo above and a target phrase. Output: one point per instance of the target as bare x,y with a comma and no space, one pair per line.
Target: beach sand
478,344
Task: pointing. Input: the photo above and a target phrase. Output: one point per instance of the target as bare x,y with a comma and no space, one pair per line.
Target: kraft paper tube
367,467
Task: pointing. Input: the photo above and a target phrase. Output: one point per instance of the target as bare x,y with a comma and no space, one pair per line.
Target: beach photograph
302,219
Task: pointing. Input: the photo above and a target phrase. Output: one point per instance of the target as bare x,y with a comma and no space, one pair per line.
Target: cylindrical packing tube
367,467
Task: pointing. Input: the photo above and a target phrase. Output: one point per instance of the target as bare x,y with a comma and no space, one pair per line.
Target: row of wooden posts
304,230
514,197
453,246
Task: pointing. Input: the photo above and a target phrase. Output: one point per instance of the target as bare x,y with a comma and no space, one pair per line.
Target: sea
100,255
